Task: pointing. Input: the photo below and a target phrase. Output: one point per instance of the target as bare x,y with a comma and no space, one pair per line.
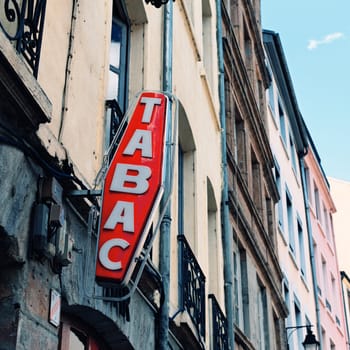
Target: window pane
113,81
114,54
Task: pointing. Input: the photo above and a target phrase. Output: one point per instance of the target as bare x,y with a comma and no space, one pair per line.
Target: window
324,276
290,216
298,322
263,319
301,249
326,222
207,39
308,184
118,54
180,192
241,145
292,153
256,184
280,202
317,202
272,98
269,217
271,92
237,294
186,179
230,116
241,294
331,232
277,331
282,120
116,98
248,53
334,295
245,291
212,239
318,269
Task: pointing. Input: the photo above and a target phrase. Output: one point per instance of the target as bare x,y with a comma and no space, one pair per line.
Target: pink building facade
330,311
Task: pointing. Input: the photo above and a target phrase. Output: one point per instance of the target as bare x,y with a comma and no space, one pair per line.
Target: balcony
22,22
192,286
219,326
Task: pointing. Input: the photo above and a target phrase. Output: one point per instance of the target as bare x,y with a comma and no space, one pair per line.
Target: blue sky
316,40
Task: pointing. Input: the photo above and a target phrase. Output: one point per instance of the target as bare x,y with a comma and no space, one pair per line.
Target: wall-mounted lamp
310,342
157,3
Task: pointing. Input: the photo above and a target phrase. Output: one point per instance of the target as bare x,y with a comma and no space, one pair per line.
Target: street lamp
310,342
157,3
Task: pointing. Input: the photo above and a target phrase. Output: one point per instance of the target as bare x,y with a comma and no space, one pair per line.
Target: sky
315,36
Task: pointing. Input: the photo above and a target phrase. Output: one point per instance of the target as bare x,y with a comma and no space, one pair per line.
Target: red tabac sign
132,190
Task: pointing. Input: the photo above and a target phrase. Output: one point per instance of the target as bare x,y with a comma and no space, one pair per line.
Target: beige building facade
59,114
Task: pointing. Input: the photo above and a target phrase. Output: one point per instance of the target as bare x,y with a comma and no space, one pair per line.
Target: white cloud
313,44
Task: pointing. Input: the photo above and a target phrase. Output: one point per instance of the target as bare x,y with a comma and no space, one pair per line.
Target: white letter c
104,251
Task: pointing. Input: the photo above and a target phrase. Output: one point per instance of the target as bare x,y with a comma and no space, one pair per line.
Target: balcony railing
219,326
192,280
114,119
22,21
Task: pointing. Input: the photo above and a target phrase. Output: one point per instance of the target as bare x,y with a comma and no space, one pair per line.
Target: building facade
208,275
289,145
331,318
340,190
69,72
259,309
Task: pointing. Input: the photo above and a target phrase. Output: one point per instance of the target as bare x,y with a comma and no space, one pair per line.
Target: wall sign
55,307
132,190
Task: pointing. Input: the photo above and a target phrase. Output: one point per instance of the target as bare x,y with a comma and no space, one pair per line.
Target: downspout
164,244
311,250
227,239
68,69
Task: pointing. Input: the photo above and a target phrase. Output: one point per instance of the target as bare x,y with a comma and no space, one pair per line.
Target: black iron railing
192,281
219,326
114,117
23,22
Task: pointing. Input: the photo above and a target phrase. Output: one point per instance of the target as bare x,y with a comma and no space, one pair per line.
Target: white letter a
123,212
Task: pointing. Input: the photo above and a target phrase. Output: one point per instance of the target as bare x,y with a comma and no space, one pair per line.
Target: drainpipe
67,73
164,244
311,250
227,239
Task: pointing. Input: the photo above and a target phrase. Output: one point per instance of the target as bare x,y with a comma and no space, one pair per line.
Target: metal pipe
66,86
311,250
164,241
227,239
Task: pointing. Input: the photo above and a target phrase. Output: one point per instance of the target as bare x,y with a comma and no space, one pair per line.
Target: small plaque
55,308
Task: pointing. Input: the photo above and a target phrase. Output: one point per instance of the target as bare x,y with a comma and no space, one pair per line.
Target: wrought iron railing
219,326
192,291
114,117
22,22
